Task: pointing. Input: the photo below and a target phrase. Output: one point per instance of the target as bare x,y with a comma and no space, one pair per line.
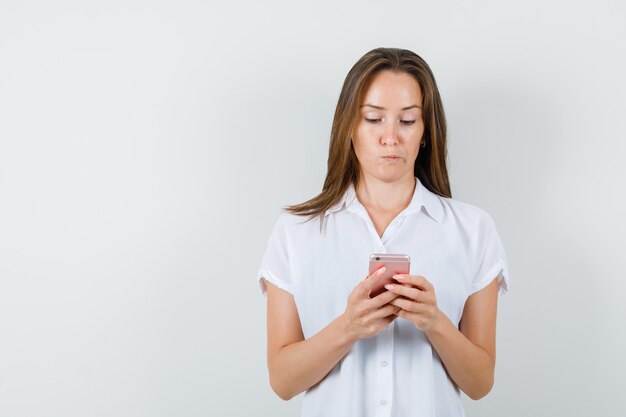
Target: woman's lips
391,158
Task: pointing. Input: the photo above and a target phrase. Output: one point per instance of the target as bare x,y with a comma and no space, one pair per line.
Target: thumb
368,285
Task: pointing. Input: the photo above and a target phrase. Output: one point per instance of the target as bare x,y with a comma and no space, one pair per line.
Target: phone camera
378,258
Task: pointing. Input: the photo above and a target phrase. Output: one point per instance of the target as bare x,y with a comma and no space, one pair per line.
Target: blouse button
383,402
383,363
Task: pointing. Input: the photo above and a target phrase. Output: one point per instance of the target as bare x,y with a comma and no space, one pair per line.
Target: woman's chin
391,175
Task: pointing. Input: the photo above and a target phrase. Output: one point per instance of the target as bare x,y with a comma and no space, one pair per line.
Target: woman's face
390,124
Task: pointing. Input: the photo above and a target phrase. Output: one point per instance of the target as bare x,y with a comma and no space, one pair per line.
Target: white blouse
453,244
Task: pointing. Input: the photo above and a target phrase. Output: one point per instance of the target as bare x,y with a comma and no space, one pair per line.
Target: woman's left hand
417,300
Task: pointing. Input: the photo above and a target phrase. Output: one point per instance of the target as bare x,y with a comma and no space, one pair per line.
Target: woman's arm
469,355
296,364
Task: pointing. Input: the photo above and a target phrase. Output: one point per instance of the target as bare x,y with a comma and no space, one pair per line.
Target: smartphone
394,262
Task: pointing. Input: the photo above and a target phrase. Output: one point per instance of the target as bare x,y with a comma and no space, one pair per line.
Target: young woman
410,350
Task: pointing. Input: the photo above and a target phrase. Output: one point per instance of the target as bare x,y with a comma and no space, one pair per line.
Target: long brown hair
343,165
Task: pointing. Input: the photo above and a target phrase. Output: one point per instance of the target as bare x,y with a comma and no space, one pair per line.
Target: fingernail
389,286
398,277
381,270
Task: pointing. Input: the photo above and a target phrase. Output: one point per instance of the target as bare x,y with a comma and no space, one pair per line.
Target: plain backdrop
147,147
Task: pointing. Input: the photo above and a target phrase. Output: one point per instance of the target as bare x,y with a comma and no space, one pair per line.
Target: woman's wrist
345,335
439,324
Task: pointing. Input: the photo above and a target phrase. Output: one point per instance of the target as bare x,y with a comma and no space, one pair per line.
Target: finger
417,280
413,317
408,305
382,299
368,283
383,312
405,314
412,293
385,321
375,326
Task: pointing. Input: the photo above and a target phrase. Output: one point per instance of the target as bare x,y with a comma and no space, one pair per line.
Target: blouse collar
422,197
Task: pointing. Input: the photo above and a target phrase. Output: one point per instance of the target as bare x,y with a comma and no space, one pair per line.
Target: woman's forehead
390,90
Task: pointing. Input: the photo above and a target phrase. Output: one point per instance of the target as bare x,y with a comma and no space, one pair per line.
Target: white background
146,149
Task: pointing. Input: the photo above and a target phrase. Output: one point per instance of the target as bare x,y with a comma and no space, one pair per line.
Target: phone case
395,263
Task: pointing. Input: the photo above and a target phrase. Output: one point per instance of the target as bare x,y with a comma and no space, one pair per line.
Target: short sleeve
275,263
491,260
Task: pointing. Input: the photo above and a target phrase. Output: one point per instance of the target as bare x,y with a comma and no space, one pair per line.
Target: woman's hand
416,299
365,316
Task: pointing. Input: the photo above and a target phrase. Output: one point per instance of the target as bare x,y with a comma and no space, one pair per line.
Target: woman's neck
379,195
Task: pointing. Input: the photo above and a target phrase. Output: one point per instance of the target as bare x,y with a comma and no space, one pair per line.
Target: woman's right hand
364,316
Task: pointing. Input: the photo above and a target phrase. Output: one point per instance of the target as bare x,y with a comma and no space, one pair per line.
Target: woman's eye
405,122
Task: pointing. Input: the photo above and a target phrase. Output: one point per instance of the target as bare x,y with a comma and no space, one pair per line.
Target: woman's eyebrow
382,108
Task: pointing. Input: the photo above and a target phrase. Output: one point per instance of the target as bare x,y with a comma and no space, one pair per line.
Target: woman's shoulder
465,212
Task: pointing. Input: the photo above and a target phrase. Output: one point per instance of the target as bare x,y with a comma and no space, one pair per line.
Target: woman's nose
390,135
